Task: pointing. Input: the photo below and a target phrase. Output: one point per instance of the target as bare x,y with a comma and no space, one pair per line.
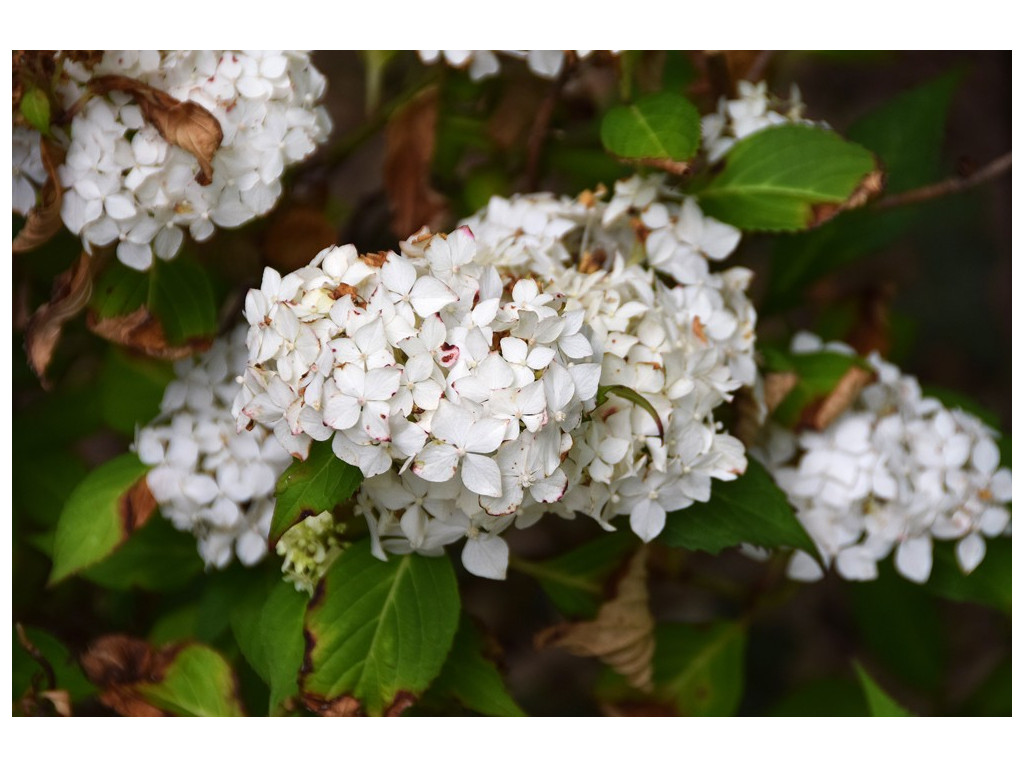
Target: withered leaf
184,124
44,220
136,506
622,634
870,187
778,384
141,331
71,292
343,706
410,137
294,234
61,701
820,414
117,663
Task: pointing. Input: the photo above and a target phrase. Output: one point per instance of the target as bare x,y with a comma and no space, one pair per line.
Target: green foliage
749,509
156,558
35,108
181,296
659,126
118,290
989,584
785,178
575,582
131,389
828,697
92,523
880,704
312,486
377,630
197,683
472,679
700,668
268,627
818,374
24,669
906,134
45,480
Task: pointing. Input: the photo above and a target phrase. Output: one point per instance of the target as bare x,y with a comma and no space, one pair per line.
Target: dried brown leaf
44,220
622,634
820,414
184,124
675,167
410,138
294,234
777,385
343,706
117,663
136,506
70,293
142,332
869,188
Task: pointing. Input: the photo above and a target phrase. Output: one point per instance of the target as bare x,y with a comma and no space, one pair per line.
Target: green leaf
44,482
785,178
197,683
989,584
131,389
35,108
119,290
819,373
575,581
181,297
880,704
156,558
66,671
93,522
700,668
827,697
310,487
659,126
907,135
268,627
749,509
472,679
378,631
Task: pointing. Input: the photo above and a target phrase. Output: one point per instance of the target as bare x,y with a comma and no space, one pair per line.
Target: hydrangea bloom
27,171
207,477
894,472
125,185
462,374
754,110
484,64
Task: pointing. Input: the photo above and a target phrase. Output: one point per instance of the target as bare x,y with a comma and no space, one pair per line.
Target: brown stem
759,66
948,186
541,123
35,653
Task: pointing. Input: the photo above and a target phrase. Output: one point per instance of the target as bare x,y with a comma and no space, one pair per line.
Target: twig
947,187
541,123
35,653
758,67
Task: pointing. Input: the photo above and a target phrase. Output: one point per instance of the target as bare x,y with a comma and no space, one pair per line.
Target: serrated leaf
575,582
472,679
659,126
378,633
749,509
103,510
181,297
310,487
787,178
156,558
131,389
197,683
700,669
880,704
991,583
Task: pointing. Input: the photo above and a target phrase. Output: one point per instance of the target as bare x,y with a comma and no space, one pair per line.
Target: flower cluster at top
126,185
484,64
895,471
754,110
207,477
551,356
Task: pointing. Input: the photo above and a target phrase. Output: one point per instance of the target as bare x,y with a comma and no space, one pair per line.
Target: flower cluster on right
894,472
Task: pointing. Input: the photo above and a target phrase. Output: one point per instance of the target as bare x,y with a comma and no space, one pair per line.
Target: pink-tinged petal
437,462
480,474
486,557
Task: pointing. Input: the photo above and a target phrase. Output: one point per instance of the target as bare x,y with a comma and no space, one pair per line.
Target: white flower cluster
309,548
462,375
439,379
484,64
895,471
754,110
27,171
207,477
125,184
